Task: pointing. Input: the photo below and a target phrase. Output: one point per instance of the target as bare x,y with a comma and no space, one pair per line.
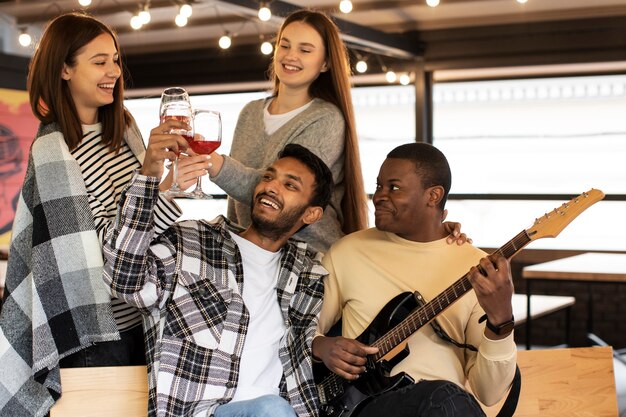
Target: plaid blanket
56,302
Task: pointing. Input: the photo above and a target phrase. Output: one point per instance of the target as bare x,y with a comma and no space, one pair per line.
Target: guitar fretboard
423,315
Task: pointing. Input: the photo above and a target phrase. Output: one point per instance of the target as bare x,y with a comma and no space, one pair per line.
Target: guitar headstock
552,223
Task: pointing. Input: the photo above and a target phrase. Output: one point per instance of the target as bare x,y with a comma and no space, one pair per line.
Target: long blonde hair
334,87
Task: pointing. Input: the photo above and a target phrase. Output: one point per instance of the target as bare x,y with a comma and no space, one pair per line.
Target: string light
361,66
265,13
391,76
24,39
522,1
267,48
84,3
345,6
180,20
405,79
186,10
135,22
432,3
225,41
144,15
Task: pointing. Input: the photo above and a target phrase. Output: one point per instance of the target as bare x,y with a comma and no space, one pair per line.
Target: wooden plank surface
602,267
103,392
575,382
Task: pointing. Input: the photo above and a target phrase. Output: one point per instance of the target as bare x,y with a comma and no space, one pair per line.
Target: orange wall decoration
18,127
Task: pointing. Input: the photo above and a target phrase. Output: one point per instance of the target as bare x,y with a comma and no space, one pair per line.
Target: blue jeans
424,399
265,406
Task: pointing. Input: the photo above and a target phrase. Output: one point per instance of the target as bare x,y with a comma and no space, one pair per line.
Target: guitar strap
510,404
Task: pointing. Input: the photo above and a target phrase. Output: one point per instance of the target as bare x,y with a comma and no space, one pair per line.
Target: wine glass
175,105
206,138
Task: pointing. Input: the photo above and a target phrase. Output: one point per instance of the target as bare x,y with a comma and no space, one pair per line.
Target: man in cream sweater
407,251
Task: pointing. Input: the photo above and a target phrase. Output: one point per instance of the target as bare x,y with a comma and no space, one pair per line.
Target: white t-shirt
260,370
273,122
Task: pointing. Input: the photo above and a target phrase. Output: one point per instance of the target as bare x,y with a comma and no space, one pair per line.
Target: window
536,138
517,149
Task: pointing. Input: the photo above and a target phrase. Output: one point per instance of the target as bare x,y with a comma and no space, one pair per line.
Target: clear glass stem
174,187
198,192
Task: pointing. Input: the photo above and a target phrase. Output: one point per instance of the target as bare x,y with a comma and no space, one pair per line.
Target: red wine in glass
202,147
206,138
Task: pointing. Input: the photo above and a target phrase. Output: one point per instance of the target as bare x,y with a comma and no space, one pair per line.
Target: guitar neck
423,315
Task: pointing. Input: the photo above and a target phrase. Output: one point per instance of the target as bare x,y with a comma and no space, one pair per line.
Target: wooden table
588,268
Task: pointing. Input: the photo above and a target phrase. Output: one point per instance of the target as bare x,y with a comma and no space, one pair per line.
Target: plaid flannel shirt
188,284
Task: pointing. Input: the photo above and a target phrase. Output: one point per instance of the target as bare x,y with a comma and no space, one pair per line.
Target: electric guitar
404,315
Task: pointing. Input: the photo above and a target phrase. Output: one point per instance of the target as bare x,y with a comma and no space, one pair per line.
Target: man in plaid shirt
229,314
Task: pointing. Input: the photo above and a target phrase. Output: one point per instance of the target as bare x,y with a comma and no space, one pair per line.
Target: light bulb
265,13
135,22
522,1
345,6
391,77
186,10
432,3
84,3
225,42
180,20
24,39
266,48
144,16
405,79
361,66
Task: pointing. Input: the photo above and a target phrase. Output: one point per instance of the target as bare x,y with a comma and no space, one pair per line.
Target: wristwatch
503,328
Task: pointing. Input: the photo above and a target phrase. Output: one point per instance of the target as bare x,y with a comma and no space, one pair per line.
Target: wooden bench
575,382
556,383
114,391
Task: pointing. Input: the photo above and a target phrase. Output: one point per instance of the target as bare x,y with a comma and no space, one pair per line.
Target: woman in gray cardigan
311,105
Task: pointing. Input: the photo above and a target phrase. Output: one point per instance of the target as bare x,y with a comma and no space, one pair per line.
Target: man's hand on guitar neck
345,357
493,285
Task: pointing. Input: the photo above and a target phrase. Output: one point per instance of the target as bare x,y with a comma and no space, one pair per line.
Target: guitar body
375,380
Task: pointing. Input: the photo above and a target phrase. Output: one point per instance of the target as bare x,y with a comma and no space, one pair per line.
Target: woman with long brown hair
57,311
310,105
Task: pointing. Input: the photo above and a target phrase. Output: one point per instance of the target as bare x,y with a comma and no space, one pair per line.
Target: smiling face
401,202
281,203
299,57
91,78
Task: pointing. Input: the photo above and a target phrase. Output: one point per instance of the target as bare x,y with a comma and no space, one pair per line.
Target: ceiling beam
52,11
366,38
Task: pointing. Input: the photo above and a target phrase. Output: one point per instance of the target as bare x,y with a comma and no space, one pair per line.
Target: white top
273,122
260,369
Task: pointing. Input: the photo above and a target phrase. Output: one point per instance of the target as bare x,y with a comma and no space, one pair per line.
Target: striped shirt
106,174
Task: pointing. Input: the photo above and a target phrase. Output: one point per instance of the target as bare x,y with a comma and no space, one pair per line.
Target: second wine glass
206,138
